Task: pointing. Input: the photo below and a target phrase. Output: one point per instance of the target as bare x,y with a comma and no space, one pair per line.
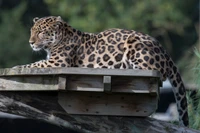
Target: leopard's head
46,32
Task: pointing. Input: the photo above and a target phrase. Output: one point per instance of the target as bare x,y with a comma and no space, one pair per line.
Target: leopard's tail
179,93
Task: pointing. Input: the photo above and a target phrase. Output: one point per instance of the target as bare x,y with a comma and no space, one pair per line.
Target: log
44,106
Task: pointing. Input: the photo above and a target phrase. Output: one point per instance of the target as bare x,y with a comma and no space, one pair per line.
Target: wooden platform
90,91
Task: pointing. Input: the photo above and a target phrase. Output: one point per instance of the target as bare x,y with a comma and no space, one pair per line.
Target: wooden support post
62,82
107,84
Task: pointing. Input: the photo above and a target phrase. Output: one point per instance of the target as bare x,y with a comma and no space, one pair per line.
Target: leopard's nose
31,42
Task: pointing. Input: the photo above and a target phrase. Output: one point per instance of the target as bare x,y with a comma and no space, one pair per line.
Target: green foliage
140,15
159,18
14,38
194,109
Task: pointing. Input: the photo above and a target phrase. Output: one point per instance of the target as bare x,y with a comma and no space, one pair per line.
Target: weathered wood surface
116,95
78,71
115,104
129,96
19,83
79,79
44,106
117,83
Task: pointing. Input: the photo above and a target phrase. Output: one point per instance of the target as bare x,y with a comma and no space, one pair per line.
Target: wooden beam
79,71
85,83
28,83
115,104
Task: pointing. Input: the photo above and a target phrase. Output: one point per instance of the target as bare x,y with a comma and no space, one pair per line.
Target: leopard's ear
59,18
35,19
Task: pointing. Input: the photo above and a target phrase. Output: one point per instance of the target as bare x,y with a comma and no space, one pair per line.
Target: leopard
110,49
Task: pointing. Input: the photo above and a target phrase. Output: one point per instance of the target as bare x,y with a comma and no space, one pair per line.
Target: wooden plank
79,71
29,83
119,84
134,85
90,103
84,83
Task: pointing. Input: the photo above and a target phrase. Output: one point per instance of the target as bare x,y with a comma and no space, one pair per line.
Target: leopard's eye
40,31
